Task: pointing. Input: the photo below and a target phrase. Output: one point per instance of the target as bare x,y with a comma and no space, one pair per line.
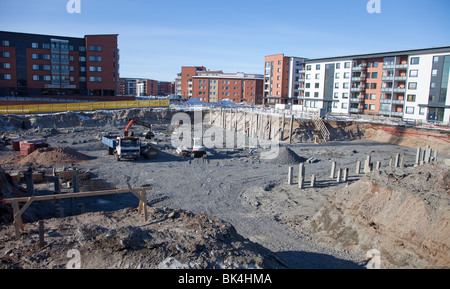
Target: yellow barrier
60,107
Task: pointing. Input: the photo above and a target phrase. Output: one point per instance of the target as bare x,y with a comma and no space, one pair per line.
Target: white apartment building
410,84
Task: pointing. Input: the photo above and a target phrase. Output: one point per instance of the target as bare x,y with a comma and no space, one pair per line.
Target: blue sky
156,38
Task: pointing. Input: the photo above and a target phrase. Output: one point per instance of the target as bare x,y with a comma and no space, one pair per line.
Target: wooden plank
76,195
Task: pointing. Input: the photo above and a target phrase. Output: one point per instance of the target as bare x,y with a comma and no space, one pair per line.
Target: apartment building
33,64
215,86
183,82
284,79
166,88
411,84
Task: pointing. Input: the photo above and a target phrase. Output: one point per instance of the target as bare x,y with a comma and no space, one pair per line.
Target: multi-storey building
284,79
32,64
215,86
166,88
183,82
411,84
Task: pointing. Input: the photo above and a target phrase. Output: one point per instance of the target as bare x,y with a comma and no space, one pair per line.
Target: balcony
386,89
357,99
357,89
355,110
400,89
387,78
400,78
360,67
358,78
401,66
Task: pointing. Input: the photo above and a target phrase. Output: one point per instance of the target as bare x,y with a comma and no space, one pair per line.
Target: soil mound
402,213
285,156
171,239
54,156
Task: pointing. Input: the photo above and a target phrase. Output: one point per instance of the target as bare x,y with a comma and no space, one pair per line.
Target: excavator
146,150
148,136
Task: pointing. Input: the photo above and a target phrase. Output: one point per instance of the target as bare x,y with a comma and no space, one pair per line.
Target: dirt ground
245,199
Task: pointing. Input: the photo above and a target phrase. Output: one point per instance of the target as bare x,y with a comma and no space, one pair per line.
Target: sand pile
402,213
49,156
285,156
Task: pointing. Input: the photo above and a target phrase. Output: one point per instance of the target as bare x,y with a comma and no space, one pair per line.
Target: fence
62,107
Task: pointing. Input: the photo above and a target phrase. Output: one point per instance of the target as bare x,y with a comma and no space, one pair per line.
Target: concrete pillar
29,182
397,160
301,182
345,175
378,166
339,173
283,121
358,167
333,170
313,181
418,154
435,155
290,175
367,163
301,170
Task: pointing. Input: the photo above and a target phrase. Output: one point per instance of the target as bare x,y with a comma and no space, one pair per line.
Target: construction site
135,188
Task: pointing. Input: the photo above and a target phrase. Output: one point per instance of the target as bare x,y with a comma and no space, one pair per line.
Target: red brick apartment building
215,86
145,87
33,64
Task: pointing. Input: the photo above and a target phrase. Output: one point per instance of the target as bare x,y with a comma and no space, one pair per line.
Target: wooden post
17,220
291,129
41,234
76,189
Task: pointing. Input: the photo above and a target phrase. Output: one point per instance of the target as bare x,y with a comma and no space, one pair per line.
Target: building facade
32,64
183,82
215,86
411,84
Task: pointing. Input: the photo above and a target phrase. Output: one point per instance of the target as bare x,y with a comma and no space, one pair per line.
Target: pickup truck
123,147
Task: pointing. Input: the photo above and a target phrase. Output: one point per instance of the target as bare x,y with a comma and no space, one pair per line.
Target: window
336,85
34,45
95,48
337,75
316,94
338,66
317,85
347,64
431,98
318,76
434,72
308,76
82,59
307,94
95,79
415,60
5,54
436,59
373,86
267,64
374,74
335,104
409,110
45,46
345,95
5,65
433,85
346,85
308,85
5,43
412,85
411,98
279,62
308,67
7,76
336,95
372,107
373,96
344,105
317,66
279,69
423,111
95,58
414,73
375,64
347,75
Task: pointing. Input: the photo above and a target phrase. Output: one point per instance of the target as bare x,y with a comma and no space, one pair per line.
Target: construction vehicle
129,146
149,135
123,147
198,150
